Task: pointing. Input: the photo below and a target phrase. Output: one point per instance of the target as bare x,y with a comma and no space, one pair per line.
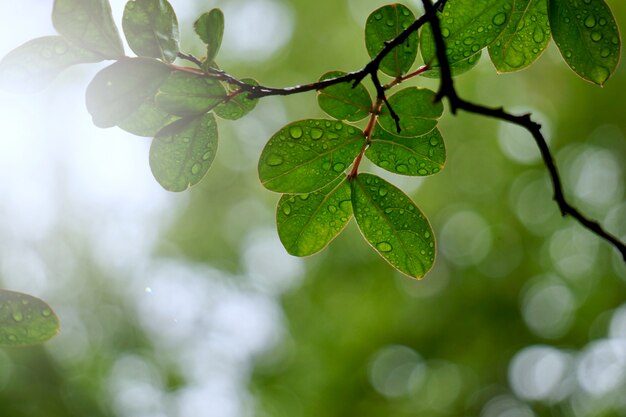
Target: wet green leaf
151,29
467,27
306,155
393,225
525,37
121,88
238,105
343,101
385,24
210,28
183,151
147,120
307,223
419,156
417,110
33,65
89,24
25,320
587,36
186,94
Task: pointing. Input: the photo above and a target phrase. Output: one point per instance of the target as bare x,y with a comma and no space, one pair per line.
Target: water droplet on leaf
295,132
384,247
274,160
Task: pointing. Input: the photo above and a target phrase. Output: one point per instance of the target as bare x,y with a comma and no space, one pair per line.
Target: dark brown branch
447,89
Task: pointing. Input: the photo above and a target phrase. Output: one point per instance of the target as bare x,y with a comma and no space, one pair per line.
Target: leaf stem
369,129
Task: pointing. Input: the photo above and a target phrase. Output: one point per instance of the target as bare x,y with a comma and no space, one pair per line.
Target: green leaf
467,27
25,320
147,120
343,101
393,225
525,37
33,65
121,88
419,156
306,155
187,94
183,151
417,110
210,28
307,223
151,28
89,24
238,105
385,24
587,36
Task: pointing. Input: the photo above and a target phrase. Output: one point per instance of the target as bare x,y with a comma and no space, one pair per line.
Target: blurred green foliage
141,336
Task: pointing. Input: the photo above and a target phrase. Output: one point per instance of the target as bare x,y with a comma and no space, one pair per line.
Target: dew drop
422,172
600,75
605,52
538,35
445,32
384,247
412,161
295,132
316,133
596,36
46,312
378,16
382,191
206,156
18,316
402,168
499,19
434,141
345,205
590,21
338,167
304,197
274,160
338,126
332,209
12,338
195,168
287,209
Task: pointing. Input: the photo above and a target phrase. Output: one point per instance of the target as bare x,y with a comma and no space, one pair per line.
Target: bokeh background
181,305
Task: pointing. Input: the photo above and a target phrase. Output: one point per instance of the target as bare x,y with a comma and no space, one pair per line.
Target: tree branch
447,89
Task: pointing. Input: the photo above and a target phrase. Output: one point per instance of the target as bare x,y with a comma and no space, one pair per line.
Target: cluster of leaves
307,160
516,32
313,162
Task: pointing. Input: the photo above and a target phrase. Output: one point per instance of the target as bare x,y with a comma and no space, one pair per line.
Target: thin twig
447,89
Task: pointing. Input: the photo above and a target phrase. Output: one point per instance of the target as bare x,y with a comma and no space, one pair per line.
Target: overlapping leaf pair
516,32
308,160
147,95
